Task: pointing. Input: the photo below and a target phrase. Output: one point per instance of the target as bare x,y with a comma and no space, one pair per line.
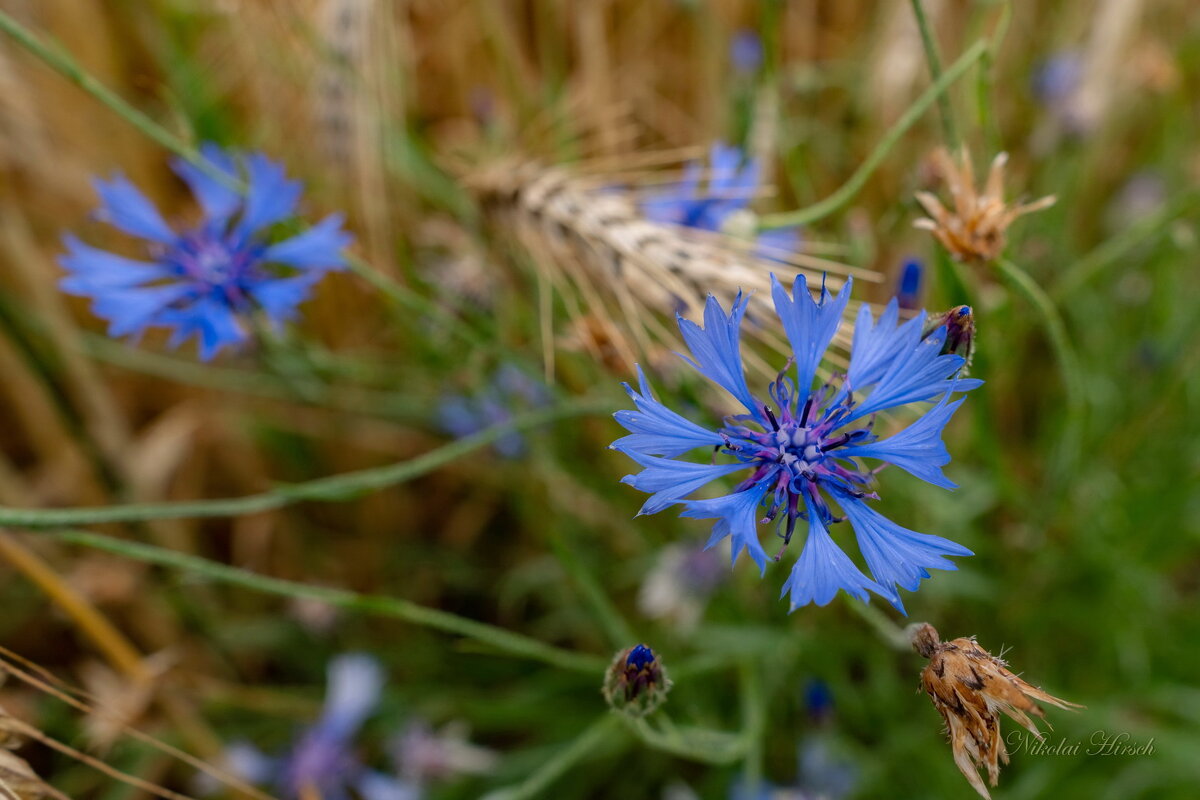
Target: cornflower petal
213,320
733,180
774,242
670,481
271,196
823,569
128,210
810,325
914,375
737,518
896,555
318,247
918,449
128,310
280,297
355,684
377,786
218,199
248,762
657,430
876,344
716,349
94,271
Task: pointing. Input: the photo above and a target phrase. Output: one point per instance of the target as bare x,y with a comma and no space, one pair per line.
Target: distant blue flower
205,280
323,758
509,390
323,762
746,51
732,183
1057,78
908,293
801,449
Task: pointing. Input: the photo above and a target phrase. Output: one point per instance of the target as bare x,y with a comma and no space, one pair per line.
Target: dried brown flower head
968,687
972,230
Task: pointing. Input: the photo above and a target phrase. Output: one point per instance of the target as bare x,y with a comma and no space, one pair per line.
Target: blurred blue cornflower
205,279
323,763
1057,83
801,448
510,390
908,290
1056,79
733,180
746,51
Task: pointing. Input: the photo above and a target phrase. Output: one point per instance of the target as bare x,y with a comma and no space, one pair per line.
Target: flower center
212,261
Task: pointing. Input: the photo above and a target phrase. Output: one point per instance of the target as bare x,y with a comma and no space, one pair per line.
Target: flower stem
505,641
593,738
891,633
332,488
1068,361
619,634
949,132
858,180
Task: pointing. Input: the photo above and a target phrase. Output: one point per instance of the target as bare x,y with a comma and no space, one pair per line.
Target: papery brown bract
968,687
973,228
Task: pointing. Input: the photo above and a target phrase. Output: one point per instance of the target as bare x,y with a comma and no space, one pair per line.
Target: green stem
62,62
593,738
858,180
503,640
1068,361
619,634
332,488
891,633
949,132
754,722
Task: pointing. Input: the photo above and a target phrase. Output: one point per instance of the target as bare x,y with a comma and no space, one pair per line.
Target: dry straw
620,275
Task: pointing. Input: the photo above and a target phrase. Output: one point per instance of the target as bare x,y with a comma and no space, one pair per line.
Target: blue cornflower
746,51
734,179
206,279
510,390
804,448
323,762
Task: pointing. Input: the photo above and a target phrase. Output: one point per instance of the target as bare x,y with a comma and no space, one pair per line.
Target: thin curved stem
593,738
949,132
858,180
333,488
505,641
1064,351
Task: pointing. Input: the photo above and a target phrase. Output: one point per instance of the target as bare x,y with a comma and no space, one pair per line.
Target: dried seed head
968,687
973,228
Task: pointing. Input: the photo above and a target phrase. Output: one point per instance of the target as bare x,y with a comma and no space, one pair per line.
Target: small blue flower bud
636,682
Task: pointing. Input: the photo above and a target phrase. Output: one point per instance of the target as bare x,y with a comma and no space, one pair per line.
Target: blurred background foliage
1086,568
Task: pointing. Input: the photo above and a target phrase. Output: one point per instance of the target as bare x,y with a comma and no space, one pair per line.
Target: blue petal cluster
323,762
204,280
733,181
804,447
